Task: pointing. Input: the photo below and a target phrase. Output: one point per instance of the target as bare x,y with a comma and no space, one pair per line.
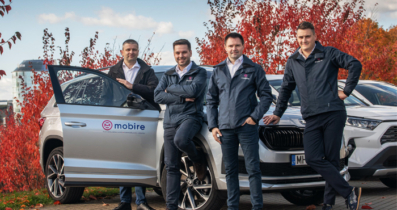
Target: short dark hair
182,42
130,41
234,35
306,25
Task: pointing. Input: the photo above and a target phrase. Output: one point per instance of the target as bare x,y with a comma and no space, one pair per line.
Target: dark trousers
126,195
247,136
176,141
322,142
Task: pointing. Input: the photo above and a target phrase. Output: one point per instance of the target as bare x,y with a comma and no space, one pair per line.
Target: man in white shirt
137,76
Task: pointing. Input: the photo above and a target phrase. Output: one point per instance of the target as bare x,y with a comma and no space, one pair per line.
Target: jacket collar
144,68
193,69
318,49
246,62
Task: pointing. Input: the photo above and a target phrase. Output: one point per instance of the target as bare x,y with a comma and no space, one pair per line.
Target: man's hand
271,119
342,95
250,121
165,90
190,99
125,82
215,133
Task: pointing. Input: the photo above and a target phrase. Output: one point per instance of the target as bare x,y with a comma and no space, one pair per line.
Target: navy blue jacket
190,85
317,79
236,96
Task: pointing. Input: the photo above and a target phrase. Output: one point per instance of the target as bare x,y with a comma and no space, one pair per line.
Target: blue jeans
247,136
176,141
126,195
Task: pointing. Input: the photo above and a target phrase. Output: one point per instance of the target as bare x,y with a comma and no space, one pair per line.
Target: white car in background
370,135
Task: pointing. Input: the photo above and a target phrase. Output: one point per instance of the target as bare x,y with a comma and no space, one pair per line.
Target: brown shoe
201,169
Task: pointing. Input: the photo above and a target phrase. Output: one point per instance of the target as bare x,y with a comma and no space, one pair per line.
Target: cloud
186,34
167,58
5,88
107,17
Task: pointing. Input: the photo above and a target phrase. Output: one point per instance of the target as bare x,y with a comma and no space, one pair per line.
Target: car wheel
195,194
304,197
390,182
55,179
158,191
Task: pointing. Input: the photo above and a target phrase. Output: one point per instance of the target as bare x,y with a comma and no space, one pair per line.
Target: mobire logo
107,125
245,75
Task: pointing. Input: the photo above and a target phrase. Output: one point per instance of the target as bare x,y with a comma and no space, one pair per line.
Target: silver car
95,132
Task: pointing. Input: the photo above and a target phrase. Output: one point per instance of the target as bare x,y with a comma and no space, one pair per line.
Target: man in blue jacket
182,89
313,69
232,88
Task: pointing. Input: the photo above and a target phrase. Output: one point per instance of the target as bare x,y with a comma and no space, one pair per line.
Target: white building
24,70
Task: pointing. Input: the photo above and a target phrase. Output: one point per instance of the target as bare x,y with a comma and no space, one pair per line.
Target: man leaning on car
314,70
136,75
182,89
232,87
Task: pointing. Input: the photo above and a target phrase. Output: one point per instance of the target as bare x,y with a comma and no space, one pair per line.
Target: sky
116,21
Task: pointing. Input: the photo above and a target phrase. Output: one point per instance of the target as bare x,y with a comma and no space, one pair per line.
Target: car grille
390,135
282,138
280,169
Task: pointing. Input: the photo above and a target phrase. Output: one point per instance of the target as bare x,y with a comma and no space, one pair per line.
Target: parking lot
375,194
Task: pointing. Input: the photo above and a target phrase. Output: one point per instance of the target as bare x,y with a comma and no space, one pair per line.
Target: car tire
304,197
55,178
390,182
158,191
213,199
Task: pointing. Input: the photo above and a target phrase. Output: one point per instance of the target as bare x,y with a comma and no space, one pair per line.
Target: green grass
27,199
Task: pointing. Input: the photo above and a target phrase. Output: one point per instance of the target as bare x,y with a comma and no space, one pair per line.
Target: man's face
182,55
306,39
234,48
130,52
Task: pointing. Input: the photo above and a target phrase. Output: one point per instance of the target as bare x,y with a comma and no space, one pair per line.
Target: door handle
75,124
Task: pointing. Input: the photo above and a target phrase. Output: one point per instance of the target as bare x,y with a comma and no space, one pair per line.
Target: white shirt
130,73
300,51
184,71
233,67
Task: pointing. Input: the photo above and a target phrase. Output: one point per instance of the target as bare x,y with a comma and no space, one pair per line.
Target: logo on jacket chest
189,79
245,76
318,60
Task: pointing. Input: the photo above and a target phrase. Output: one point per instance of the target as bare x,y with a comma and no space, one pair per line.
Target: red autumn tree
4,9
377,50
269,27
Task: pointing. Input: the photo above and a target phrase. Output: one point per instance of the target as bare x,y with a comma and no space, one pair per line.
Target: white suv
95,132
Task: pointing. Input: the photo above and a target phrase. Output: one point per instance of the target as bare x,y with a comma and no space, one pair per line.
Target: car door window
88,88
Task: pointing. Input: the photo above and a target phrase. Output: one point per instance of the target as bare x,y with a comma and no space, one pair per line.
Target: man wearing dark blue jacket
313,69
232,88
182,89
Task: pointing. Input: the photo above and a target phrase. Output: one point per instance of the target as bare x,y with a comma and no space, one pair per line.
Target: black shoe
123,206
201,169
144,206
327,207
353,200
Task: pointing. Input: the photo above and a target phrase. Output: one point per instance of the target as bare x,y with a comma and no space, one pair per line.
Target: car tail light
41,122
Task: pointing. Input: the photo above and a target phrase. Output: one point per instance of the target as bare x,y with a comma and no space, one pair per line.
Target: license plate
298,160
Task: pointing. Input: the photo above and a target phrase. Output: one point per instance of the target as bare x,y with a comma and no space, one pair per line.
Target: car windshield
379,93
295,99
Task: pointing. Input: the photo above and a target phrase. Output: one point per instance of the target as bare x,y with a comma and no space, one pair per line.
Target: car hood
373,112
292,117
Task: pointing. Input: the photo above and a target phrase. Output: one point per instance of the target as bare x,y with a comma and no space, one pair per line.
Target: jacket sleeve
264,93
212,102
192,90
147,91
161,97
348,62
286,89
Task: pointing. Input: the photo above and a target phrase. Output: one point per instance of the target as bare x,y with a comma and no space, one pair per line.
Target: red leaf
366,207
0,35
311,207
2,1
2,72
9,44
1,50
57,203
8,8
1,13
18,35
92,197
2,41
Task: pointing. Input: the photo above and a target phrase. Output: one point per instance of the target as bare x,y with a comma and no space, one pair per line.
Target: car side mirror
136,101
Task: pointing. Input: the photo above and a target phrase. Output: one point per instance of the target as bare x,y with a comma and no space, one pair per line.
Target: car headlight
362,123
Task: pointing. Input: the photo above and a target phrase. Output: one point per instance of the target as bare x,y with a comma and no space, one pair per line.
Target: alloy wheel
56,176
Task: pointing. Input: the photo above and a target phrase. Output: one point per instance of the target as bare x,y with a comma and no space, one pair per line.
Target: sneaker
123,206
353,200
327,207
144,206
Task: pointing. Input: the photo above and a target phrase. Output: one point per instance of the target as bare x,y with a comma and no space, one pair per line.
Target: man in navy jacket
182,89
313,69
232,89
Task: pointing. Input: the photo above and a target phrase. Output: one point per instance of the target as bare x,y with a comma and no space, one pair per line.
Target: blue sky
115,21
